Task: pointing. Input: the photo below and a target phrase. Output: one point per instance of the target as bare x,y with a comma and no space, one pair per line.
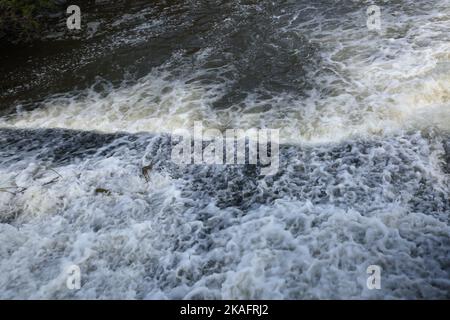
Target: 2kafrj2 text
259,310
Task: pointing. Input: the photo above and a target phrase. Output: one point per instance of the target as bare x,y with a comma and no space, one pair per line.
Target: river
364,122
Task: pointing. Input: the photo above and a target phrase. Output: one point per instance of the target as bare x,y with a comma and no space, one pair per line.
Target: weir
338,175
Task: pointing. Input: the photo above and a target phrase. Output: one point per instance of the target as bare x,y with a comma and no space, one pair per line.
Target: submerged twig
101,190
22,189
56,172
5,190
50,182
146,170
11,192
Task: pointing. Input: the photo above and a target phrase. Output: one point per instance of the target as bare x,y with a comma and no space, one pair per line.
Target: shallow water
364,121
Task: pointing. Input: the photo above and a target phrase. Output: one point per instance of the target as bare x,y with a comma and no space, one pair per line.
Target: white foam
380,84
334,210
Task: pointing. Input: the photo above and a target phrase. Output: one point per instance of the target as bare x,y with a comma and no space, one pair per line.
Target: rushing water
364,121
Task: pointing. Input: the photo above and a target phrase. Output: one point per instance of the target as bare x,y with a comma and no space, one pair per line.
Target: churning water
364,121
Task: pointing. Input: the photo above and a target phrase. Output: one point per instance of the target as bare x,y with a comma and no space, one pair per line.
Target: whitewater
363,179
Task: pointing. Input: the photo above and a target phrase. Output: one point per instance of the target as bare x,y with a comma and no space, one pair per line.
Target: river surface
364,120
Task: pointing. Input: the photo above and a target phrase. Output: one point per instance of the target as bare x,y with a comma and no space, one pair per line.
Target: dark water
363,177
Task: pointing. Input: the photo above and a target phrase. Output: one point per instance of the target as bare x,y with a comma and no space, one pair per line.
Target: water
364,122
